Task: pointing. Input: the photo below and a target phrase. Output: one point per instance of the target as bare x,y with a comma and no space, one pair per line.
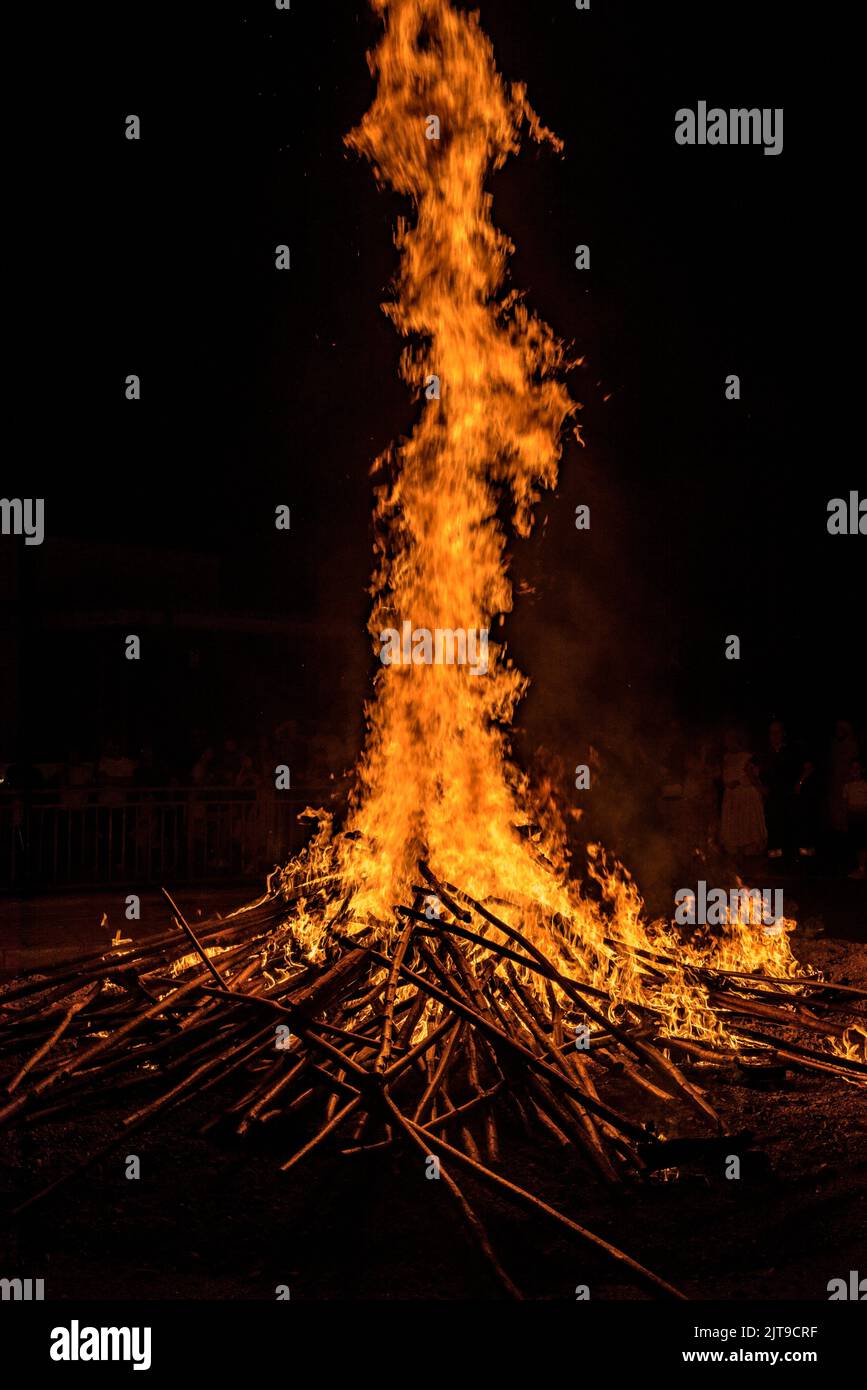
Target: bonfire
435,972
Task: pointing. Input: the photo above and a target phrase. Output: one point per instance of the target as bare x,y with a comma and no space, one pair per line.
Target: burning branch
442,1046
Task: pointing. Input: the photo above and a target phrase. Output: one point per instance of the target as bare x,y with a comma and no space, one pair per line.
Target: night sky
259,387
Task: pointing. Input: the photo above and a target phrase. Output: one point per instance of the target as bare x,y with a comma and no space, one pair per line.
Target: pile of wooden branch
440,1035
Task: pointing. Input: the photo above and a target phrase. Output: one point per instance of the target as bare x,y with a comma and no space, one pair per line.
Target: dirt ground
212,1218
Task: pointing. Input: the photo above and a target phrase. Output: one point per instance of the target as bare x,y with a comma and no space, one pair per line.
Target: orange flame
436,776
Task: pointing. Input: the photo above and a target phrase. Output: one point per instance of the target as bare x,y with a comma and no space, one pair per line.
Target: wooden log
185,927
466,1011
384,1053
322,1133
527,1200
58,1032
416,1137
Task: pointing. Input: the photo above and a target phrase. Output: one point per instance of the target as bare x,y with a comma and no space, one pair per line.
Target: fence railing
91,837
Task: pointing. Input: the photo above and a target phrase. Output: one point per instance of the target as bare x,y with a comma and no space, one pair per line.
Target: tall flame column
435,775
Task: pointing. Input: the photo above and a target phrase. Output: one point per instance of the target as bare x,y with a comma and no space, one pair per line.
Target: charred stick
526,1199
492,1143
46,1047
411,1022
178,1096
439,1071
271,1094
788,1019
417,1138
335,1092
827,1061
517,1049
430,877
322,1133
185,927
659,1064
483,1098
384,1053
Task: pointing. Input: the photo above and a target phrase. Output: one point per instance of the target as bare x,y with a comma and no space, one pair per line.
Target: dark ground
709,517
212,1219
38,931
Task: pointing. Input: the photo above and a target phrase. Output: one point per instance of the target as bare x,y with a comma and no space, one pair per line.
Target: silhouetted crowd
772,796
314,760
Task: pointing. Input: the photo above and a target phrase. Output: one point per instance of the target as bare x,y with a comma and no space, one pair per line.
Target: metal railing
93,837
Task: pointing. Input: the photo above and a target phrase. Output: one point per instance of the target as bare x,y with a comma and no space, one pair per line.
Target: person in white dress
742,825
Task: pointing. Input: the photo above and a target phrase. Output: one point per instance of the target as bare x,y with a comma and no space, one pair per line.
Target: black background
261,387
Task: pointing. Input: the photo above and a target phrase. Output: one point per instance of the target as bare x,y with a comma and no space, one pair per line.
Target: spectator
843,749
742,825
699,799
807,798
78,773
114,769
23,775
148,774
202,772
227,764
78,777
779,772
673,763
248,776
855,800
